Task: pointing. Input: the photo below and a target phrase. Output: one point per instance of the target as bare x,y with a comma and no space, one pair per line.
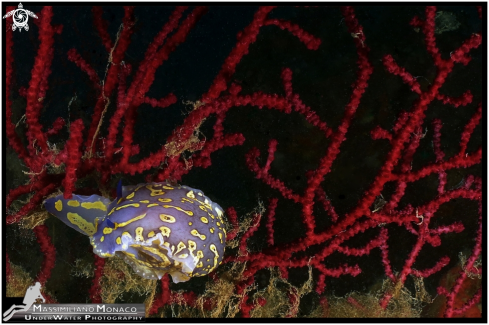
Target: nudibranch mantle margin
157,228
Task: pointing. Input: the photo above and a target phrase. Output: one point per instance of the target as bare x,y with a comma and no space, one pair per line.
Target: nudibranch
157,228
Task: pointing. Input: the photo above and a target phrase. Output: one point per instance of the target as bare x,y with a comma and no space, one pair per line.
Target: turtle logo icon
20,17
32,294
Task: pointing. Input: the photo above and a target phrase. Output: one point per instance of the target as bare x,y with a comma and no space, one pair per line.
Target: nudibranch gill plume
157,228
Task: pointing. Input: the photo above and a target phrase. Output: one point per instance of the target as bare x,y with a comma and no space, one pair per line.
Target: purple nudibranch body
157,228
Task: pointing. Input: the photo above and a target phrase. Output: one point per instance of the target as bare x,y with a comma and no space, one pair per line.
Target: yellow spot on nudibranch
94,205
213,249
167,218
188,212
107,230
136,205
198,257
73,203
151,234
152,205
139,234
118,240
165,200
204,220
130,196
58,205
165,231
191,194
203,208
125,233
144,201
102,239
123,224
192,246
195,233
180,246
154,192
81,223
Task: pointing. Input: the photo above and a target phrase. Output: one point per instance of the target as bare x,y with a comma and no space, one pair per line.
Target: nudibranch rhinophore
157,228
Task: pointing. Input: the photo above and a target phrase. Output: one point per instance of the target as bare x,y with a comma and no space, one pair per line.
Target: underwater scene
244,161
